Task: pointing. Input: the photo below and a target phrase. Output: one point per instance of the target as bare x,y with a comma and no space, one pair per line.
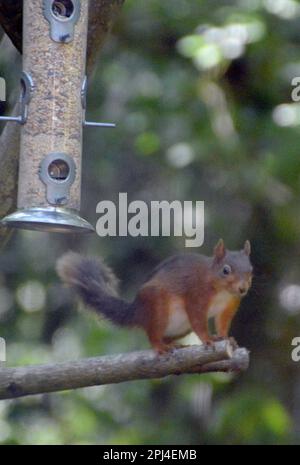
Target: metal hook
27,87
83,101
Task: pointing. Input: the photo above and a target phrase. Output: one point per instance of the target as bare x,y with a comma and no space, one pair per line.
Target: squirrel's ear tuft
247,248
219,250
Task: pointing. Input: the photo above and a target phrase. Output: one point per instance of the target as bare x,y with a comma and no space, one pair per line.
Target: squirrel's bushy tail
96,284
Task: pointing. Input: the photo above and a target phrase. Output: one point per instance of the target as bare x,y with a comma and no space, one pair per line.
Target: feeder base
48,219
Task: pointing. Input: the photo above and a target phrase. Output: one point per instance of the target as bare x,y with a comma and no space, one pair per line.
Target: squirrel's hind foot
164,347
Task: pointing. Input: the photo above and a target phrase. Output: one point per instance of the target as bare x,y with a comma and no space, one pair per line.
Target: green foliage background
201,93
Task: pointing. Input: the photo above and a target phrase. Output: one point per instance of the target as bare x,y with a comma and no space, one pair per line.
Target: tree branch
102,14
110,369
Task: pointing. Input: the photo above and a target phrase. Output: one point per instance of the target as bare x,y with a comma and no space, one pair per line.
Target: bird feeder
52,116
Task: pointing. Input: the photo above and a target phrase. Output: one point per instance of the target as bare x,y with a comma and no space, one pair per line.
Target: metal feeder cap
48,219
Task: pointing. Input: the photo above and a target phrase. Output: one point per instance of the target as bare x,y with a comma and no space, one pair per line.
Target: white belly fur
219,303
178,323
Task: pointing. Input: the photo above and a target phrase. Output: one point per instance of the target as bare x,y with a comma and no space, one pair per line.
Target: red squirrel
181,294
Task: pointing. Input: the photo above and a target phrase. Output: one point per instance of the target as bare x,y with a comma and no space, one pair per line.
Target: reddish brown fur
195,286
181,295
224,319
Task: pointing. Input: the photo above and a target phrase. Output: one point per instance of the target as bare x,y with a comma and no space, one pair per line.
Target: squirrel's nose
243,290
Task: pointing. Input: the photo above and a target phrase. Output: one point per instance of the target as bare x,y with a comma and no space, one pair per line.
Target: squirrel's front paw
216,338
233,342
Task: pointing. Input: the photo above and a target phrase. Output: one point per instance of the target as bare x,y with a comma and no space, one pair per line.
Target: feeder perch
52,116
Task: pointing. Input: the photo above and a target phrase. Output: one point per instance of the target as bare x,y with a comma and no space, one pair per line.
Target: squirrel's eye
226,270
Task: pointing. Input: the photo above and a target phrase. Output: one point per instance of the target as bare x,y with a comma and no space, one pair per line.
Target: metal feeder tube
54,59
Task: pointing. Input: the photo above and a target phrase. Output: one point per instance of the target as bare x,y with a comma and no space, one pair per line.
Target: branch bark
102,14
110,369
